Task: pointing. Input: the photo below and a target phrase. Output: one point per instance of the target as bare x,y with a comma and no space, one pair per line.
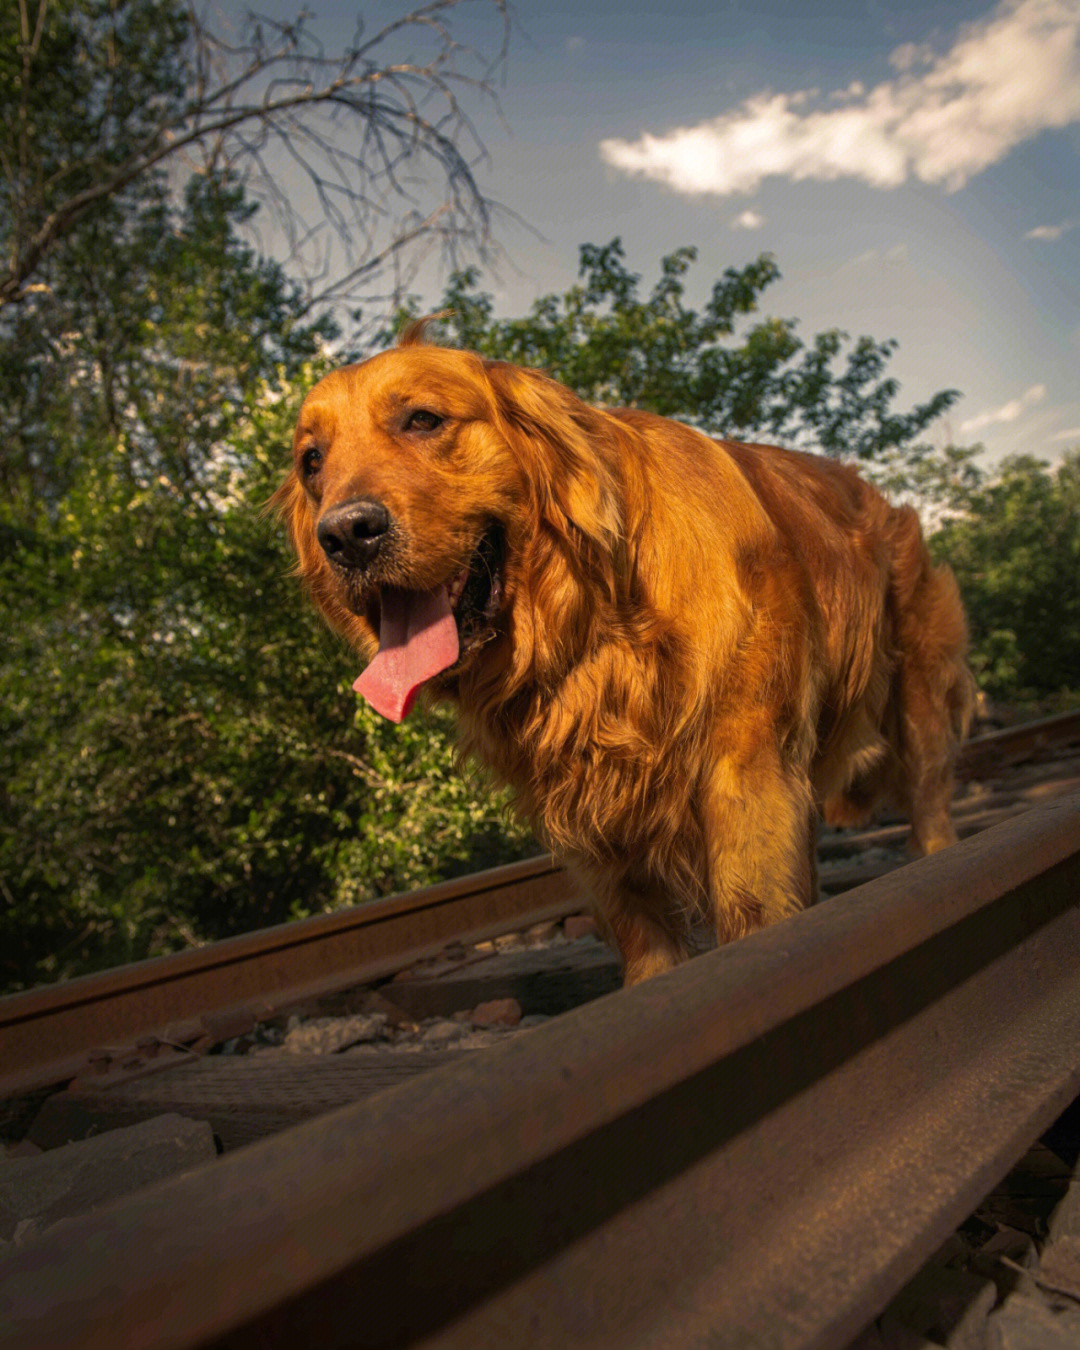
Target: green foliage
86,87
930,479
1015,549
613,346
119,72
183,757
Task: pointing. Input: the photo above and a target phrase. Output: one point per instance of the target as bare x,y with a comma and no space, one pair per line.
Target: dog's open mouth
476,593
423,633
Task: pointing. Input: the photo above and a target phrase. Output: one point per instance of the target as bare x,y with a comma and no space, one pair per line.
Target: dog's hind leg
937,696
927,755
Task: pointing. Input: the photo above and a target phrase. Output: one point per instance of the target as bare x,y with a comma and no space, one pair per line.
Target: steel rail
51,1034
751,1152
998,748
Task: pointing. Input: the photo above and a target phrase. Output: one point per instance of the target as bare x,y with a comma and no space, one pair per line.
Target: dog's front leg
760,827
643,918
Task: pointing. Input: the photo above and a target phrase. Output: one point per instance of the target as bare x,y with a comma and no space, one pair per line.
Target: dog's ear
567,449
574,559
290,506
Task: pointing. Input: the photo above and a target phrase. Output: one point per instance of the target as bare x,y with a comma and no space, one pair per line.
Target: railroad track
755,1150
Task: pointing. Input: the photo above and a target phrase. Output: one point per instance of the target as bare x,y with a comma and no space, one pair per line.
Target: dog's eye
310,461
423,420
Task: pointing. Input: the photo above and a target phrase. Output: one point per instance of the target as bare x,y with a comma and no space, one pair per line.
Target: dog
677,651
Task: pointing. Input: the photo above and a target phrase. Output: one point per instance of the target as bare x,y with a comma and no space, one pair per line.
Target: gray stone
328,1035
442,1033
23,1149
578,926
1030,1193
541,934
76,1177
1065,1220
1012,1245
1059,1268
1024,1322
25,1229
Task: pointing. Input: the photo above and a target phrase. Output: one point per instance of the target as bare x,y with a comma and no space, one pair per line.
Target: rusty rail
755,1150
50,1034
999,748
47,1034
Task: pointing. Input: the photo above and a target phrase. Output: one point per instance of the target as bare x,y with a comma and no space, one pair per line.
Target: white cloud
1071,434
748,220
942,119
1008,412
1051,233
875,257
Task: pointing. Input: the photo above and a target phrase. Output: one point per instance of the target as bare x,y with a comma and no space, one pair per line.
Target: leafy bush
1015,548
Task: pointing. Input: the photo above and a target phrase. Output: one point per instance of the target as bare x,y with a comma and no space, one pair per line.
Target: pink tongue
417,638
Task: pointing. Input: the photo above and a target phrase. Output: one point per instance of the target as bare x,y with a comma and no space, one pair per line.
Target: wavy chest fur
608,760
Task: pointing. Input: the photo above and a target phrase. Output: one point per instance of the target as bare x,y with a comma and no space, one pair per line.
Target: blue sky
915,171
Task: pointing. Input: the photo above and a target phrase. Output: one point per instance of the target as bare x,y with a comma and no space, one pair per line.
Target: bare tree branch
357,154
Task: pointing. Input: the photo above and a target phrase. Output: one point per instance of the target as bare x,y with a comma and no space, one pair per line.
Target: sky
914,169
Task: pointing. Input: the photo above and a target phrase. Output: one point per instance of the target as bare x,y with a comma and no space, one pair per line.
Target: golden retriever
677,651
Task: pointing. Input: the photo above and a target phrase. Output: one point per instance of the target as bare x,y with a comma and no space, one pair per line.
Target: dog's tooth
458,585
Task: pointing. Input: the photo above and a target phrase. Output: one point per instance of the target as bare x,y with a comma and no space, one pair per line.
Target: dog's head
445,511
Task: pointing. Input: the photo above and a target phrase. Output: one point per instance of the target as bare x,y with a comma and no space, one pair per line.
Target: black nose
352,533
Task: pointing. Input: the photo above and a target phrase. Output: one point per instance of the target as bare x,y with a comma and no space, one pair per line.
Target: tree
1015,549
182,755
613,346
98,96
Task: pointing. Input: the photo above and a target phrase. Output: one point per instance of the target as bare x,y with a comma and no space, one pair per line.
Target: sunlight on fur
678,652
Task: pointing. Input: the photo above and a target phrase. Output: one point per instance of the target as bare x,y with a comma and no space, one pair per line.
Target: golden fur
702,644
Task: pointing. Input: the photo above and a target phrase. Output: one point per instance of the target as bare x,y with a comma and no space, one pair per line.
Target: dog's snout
352,533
